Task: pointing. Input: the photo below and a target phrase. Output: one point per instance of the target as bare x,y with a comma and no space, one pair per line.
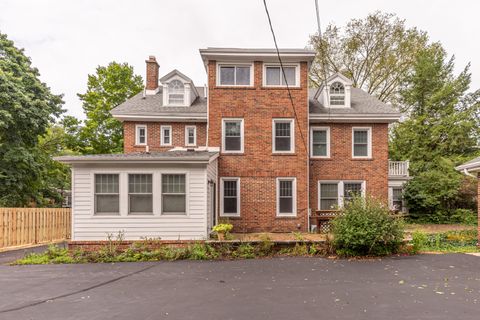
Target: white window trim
187,194
222,214
340,189
327,129
292,135
369,142
93,194
137,135
235,64
297,75
128,195
242,139
294,194
194,136
162,135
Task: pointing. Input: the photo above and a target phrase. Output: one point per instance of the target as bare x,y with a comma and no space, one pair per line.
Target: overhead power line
285,77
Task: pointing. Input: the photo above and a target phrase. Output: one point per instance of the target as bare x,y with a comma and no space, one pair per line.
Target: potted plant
222,230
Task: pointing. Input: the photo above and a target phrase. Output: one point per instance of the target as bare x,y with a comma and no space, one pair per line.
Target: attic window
337,94
176,93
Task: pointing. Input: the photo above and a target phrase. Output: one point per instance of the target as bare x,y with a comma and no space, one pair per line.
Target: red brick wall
153,135
341,165
152,73
258,168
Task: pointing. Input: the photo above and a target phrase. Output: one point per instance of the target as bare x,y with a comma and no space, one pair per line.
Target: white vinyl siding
88,226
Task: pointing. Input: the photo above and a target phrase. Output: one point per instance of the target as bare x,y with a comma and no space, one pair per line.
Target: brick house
246,148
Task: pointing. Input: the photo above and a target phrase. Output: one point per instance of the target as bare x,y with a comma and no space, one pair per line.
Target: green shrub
465,216
200,251
419,240
245,251
265,247
365,227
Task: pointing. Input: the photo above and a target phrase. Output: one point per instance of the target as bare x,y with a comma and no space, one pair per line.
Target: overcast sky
66,40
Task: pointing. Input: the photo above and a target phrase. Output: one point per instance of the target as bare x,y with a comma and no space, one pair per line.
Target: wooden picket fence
31,226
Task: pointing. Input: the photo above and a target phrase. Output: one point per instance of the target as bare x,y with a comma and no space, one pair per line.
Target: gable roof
364,106
173,73
331,78
150,107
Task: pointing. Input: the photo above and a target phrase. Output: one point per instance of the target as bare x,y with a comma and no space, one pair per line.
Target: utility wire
284,76
322,60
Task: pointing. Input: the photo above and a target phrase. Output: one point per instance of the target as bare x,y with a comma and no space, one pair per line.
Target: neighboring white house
166,195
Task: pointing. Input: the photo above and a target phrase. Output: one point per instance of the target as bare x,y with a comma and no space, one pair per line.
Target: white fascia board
355,118
471,167
175,118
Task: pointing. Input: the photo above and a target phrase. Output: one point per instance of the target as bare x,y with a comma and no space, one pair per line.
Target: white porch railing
398,168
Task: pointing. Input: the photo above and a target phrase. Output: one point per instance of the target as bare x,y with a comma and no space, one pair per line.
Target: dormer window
337,94
176,93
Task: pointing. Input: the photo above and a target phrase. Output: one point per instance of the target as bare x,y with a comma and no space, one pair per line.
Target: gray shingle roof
473,164
152,105
166,156
361,102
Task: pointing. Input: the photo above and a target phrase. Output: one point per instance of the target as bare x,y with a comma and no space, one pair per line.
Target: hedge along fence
30,226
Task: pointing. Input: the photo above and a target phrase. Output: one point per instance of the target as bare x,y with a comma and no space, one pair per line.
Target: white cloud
68,39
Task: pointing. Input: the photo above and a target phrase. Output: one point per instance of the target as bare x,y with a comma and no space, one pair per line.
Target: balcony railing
398,168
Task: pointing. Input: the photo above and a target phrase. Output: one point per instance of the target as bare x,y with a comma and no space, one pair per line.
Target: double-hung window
335,194
232,136
235,75
397,199
230,193
283,136
351,190
320,142
174,196
274,76
328,195
166,135
140,195
107,195
140,134
286,197
190,136
362,142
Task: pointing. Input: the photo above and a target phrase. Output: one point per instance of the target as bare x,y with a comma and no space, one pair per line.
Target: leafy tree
106,89
27,108
376,53
442,130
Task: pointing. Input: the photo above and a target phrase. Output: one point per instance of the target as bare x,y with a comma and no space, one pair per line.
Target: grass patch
463,241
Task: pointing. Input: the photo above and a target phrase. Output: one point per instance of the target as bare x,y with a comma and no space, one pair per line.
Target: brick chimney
152,75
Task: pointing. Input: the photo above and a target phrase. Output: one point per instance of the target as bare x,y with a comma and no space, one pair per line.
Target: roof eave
200,117
355,118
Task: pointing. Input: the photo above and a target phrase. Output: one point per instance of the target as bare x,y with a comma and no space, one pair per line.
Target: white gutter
176,118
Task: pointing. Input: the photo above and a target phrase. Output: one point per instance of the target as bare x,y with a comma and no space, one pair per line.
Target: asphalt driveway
419,287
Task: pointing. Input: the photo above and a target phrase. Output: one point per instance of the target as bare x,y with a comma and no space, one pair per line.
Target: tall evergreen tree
441,130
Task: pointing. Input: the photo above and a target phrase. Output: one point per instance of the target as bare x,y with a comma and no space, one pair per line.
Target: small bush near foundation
419,240
244,251
365,227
